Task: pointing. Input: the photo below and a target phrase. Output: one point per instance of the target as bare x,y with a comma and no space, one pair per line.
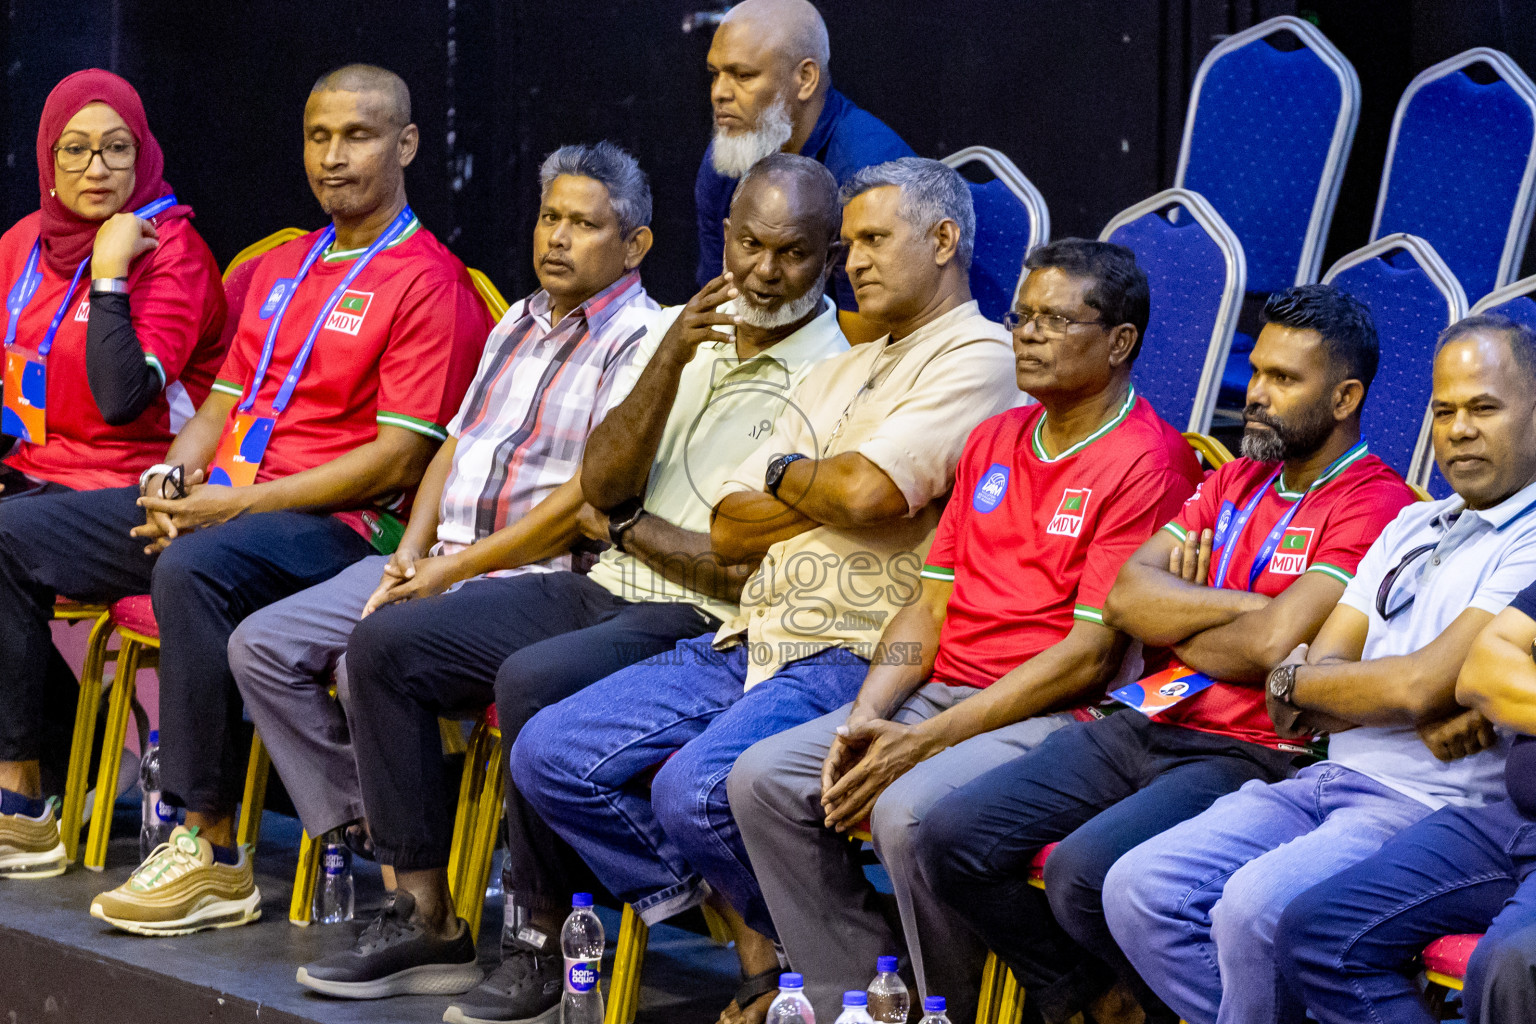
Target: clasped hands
866,756
204,504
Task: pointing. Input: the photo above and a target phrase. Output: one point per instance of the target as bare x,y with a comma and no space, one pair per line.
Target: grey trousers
282,658
828,915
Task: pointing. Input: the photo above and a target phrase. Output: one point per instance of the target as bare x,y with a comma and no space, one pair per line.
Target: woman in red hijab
113,304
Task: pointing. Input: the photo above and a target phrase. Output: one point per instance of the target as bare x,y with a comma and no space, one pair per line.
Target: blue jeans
1349,946
1100,788
580,764
1196,908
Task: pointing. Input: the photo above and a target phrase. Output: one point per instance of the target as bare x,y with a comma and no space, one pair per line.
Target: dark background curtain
1086,96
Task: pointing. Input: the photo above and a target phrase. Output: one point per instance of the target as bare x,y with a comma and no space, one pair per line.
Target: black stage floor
59,965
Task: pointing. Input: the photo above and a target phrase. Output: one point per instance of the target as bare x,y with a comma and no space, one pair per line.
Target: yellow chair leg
477,870
464,818
119,706
628,955
82,746
254,800
1011,1006
991,990
719,931
301,909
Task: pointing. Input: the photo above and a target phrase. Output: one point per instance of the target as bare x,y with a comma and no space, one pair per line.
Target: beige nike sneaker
180,889
31,847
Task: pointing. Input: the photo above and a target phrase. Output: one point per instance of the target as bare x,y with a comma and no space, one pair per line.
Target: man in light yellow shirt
837,502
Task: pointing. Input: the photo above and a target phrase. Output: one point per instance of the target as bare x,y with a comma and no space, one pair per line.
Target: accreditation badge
25,413
241,450
1162,690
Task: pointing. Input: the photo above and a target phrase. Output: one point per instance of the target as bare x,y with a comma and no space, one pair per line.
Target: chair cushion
136,613
1449,954
1037,866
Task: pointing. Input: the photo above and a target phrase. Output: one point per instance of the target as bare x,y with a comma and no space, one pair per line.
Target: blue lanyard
1272,541
396,228
26,287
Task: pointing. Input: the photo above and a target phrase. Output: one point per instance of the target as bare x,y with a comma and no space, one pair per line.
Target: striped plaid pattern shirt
539,392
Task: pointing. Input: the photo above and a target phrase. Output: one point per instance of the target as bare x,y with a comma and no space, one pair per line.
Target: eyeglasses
76,157
1384,592
1048,323
173,485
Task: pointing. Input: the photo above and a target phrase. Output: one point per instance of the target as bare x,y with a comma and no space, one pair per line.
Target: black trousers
524,641
1099,788
77,544
57,730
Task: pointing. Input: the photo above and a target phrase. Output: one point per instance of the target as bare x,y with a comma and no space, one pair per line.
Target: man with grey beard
704,387
771,92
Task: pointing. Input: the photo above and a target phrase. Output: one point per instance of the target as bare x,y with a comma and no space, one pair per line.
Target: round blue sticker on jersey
275,297
989,492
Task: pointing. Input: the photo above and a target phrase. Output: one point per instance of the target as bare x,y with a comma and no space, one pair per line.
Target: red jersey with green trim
399,349
1033,542
1339,518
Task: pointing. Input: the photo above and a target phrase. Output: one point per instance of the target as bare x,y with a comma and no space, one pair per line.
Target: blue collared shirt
846,138
1480,559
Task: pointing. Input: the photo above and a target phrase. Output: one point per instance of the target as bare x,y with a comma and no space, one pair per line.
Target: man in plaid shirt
503,487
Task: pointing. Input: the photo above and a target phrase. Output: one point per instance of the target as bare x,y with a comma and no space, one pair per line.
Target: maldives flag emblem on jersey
348,315
1068,520
1291,556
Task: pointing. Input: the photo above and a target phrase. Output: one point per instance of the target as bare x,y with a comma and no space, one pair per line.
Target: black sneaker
525,989
394,956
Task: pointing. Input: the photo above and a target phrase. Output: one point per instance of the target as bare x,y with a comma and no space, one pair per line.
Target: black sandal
754,988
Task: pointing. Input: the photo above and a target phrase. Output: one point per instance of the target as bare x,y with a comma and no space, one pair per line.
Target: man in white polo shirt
1196,909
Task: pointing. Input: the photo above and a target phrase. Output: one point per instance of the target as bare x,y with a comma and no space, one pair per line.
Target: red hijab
67,237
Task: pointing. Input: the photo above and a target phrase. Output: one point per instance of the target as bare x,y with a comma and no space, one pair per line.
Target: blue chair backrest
1461,168
1011,219
1516,300
1412,298
1266,140
1521,309
1195,273
1002,241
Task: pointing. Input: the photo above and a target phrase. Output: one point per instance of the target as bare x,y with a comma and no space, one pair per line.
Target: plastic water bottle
581,942
158,819
889,999
334,901
933,1011
790,1006
854,1012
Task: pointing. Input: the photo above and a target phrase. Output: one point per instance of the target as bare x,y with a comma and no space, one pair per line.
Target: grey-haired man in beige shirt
838,502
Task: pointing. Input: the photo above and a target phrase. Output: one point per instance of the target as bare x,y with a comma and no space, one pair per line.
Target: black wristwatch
1282,683
622,519
775,475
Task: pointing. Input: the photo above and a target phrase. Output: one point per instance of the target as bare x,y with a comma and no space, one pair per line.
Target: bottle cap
154,736
855,997
886,965
790,979
581,899
933,1004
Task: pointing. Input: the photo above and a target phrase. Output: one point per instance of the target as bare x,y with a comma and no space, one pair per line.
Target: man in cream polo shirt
697,395
835,502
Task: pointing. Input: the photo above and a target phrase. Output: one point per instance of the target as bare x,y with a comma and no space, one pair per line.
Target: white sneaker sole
34,865
454,1015
426,980
218,914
